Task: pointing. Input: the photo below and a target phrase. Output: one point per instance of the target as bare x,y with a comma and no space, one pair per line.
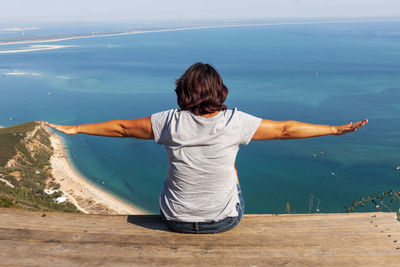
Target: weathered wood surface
63,239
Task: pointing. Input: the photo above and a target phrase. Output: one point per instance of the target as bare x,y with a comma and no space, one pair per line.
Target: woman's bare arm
269,129
137,128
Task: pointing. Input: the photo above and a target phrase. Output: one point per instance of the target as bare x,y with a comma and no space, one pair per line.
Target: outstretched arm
137,128
269,129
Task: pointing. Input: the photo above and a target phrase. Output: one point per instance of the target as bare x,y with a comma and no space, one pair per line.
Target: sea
324,73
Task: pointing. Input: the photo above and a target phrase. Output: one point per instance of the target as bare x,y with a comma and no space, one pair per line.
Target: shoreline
193,28
86,196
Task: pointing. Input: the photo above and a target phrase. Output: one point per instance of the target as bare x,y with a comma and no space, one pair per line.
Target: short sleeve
159,121
248,125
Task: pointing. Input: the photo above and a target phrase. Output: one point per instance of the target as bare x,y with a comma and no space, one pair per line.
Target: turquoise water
326,73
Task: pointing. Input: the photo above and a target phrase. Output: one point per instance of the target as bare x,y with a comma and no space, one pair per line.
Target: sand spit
32,48
86,196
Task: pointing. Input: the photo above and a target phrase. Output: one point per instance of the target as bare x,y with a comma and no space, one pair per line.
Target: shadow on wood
153,222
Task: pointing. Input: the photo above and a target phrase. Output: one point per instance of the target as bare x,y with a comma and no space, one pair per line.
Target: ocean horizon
330,73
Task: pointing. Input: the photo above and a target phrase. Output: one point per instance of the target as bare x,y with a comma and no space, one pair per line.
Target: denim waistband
208,227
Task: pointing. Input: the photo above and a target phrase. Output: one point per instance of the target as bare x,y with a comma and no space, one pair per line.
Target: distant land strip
190,28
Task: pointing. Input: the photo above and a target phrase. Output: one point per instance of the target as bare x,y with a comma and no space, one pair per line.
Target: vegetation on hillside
25,170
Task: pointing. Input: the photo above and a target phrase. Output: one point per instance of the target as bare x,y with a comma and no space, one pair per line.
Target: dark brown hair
201,90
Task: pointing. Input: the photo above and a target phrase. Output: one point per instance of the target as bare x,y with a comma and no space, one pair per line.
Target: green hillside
25,170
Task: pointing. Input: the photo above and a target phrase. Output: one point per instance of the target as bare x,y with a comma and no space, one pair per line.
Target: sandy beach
87,197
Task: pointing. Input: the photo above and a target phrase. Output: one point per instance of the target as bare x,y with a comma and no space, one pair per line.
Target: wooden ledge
31,238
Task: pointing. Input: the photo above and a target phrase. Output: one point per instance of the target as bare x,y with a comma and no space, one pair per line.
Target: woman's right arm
137,128
270,129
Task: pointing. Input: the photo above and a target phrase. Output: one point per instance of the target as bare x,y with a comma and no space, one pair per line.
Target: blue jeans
208,227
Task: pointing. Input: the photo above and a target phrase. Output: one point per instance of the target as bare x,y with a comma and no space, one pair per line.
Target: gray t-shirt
201,180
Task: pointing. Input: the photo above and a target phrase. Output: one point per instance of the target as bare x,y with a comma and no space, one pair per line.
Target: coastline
187,28
88,198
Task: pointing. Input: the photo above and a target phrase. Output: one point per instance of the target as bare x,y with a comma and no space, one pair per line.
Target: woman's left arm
270,129
137,128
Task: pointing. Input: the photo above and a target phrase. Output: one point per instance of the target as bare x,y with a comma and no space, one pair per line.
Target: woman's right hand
67,129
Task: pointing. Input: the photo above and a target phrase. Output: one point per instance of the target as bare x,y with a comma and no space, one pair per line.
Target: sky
34,11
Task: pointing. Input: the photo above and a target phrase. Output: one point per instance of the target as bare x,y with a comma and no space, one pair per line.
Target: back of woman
201,184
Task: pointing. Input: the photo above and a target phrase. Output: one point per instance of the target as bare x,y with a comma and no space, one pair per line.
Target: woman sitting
201,193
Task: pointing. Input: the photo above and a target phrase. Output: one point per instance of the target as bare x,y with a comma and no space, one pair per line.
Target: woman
201,193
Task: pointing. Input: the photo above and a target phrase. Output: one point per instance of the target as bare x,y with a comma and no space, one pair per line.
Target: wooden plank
64,255
65,239
346,246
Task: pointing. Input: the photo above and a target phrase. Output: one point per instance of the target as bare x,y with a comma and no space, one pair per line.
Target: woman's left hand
350,127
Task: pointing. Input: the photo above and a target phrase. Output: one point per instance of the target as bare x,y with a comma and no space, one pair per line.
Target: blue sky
31,11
